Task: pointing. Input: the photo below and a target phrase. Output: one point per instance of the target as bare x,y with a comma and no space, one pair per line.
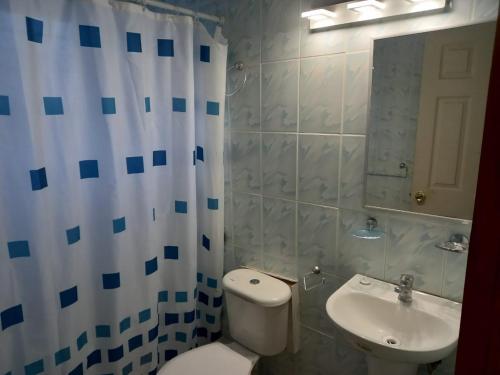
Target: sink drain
389,340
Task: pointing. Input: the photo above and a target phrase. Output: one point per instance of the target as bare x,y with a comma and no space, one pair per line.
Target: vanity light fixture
366,5
348,13
318,14
321,17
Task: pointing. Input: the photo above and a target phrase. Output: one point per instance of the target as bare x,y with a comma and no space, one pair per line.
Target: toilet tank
257,308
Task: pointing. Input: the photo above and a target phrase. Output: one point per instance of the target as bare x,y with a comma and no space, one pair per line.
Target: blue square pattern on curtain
151,266
212,108
153,333
162,338
90,36
115,354
181,207
62,356
181,297
53,105
170,354
212,203
34,368
18,249
38,179
102,330
124,324
205,54
134,343
165,47
94,358
68,297
12,316
111,280
78,370
34,30
211,283
144,315
200,153
119,225
127,369
73,235
159,158
4,105
171,318
171,252
81,341
205,241
147,104
134,42
146,358
189,317
163,296
180,336
135,164
89,169
108,106
178,104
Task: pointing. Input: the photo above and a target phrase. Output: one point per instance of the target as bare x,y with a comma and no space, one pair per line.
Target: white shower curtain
111,186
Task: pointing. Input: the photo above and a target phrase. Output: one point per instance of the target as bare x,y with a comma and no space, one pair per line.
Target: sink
396,336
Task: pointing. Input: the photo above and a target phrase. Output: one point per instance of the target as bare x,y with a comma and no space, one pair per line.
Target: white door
455,77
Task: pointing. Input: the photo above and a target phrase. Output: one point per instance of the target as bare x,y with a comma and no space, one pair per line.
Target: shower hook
239,66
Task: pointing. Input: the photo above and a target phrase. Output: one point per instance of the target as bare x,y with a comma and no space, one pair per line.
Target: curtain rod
177,9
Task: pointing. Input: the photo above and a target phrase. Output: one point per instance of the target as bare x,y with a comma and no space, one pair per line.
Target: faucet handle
406,279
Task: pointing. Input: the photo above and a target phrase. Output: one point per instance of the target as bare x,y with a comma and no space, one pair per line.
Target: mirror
427,109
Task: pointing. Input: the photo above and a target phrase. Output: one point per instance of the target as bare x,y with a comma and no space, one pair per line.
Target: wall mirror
425,124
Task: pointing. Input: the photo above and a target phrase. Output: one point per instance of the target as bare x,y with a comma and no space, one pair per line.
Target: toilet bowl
257,307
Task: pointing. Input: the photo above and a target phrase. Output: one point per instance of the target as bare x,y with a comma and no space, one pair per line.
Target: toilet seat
212,359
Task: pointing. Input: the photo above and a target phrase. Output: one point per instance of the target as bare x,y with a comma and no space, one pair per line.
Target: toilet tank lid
257,287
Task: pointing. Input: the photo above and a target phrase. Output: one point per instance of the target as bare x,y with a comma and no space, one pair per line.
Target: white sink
397,336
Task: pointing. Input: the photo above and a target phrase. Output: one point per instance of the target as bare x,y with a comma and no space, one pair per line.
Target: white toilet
257,307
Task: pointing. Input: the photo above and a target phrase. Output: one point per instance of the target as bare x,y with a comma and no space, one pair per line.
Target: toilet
257,308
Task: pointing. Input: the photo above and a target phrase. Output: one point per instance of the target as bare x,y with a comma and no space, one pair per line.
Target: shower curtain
111,187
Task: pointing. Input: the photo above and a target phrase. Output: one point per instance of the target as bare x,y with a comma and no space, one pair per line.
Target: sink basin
368,313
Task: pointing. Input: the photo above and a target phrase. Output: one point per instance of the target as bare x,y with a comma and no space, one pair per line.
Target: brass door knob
420,197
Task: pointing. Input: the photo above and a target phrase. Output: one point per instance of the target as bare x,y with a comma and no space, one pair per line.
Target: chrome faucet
405,287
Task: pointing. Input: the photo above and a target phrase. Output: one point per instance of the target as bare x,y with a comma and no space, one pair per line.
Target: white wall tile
279,166
316,237
279,96
356,93
280,29
352,172
247,221
279,227
245,163
319,161
321,86
243,31
245,104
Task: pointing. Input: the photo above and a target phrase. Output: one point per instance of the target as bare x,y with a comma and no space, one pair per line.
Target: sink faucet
405,287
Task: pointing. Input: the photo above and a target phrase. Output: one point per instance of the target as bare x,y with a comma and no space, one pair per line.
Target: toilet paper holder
308,279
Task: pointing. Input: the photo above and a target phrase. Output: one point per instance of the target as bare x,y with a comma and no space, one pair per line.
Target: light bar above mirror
361,11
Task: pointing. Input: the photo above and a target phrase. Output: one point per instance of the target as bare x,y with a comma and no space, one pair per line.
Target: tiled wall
295,156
